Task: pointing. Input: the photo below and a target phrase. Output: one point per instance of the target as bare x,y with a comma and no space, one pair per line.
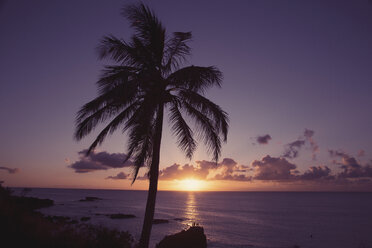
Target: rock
121,216
193,237
90,199
84,218
59,219
63,220
159,221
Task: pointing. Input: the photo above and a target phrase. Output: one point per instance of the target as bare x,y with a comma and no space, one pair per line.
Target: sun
190,184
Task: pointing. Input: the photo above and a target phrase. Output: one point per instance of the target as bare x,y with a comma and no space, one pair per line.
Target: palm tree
146,80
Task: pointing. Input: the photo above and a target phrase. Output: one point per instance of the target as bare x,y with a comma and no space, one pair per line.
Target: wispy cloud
119,176
308,134
361,153
9,170
292,149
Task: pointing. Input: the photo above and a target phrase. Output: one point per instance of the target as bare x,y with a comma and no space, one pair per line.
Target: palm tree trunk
153,186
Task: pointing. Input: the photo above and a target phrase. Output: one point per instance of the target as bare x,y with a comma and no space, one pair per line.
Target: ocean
230,219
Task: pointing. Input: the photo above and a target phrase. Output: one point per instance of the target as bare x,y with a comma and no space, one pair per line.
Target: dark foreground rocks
121,216
193,237
90,199
159,221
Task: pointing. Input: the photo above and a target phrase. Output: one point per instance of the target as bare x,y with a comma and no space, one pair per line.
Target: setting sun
191,185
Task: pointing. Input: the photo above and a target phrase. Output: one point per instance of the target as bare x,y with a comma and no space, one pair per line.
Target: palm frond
176,50
195,78
207,107
84,127
112,76
92,107
141,128
103,107
116,49
205,129
181,130
148,28
112,126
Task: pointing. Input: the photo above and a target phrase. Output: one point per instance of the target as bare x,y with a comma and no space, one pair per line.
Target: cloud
292,149
317,172
273,168
99,161
228,169
120,175
308,134
10,170
361,153
263,140
351,167
176,171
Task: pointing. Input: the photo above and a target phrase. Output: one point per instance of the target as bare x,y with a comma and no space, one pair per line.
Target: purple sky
288,66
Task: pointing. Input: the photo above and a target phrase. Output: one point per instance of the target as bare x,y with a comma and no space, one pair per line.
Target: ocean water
231,219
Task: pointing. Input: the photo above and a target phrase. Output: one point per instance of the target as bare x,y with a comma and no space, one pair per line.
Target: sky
297,87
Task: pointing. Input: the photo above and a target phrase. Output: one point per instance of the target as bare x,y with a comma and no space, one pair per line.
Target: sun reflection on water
191,211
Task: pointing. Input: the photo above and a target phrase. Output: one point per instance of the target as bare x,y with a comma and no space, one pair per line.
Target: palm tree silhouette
146,80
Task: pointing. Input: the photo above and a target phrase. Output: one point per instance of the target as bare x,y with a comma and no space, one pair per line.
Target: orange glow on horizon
190,184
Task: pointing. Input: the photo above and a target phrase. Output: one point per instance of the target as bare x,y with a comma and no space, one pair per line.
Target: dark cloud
99,161
120,175
263,140
337,153
351,167
317,172
229,177
9,170
273,168
292,149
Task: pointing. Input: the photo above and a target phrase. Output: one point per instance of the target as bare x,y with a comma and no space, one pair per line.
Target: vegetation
21,226
147,79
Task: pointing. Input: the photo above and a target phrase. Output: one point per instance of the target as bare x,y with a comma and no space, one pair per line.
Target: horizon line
203,191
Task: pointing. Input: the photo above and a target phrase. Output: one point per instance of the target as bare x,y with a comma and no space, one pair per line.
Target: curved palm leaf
212,110
113,76
181,130
195,78
206,130
177,50
112,126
